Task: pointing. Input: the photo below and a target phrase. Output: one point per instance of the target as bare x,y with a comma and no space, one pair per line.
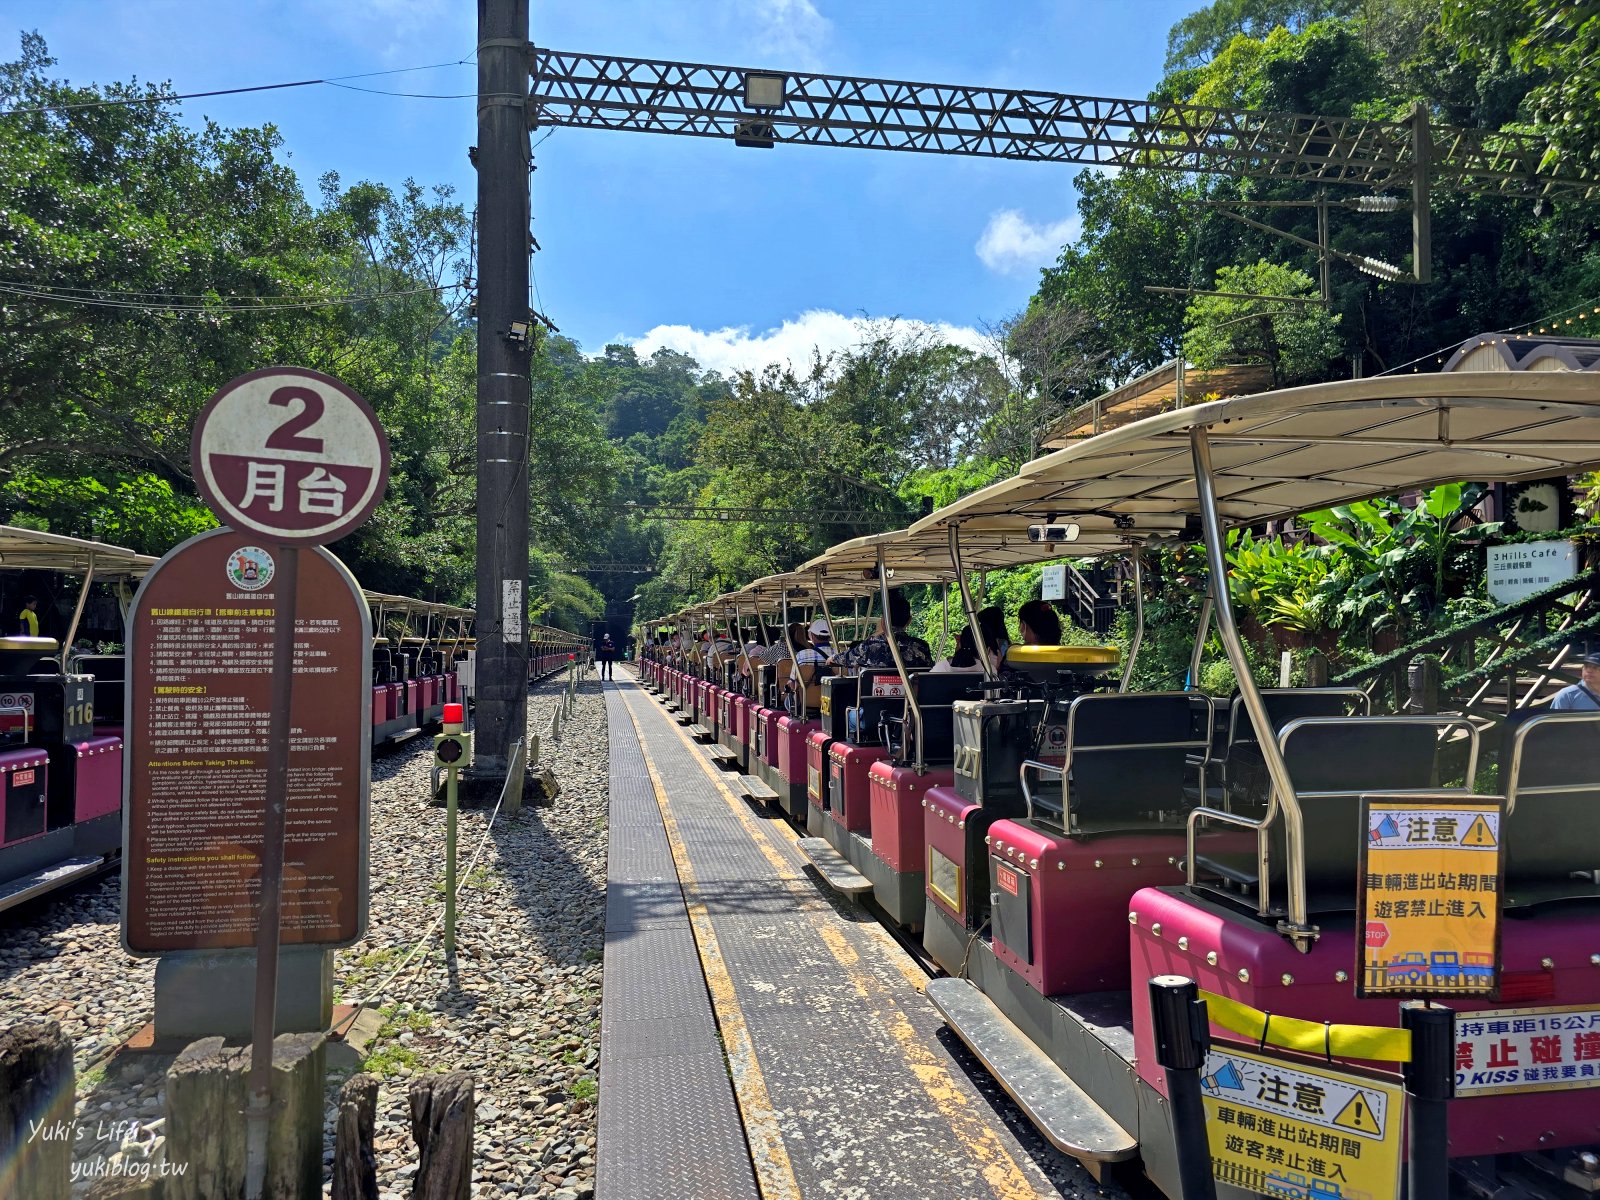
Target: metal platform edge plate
56,875
1058,1108
836,871
753,788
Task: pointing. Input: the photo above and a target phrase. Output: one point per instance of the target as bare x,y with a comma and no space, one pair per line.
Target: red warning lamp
455,716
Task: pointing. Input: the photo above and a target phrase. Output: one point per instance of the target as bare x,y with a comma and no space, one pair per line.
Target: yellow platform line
999,1169
769,1156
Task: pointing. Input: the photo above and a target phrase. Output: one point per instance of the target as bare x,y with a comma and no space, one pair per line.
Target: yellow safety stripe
1376,1043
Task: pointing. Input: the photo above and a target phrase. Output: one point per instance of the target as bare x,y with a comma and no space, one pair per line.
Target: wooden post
37,1083
1422,682
441,1124
355,1165
205,1119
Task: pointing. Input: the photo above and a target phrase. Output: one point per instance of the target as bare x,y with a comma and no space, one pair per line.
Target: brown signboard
198,705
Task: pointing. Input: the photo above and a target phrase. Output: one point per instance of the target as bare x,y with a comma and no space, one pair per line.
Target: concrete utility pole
505,342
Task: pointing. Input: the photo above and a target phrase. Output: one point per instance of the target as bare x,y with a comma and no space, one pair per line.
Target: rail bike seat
1552,786
936,694
1125,765
108,671
839,694
20,655
1333,762
880,693
1238,777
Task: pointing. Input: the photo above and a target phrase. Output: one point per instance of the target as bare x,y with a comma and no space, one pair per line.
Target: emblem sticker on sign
1006,878
250,568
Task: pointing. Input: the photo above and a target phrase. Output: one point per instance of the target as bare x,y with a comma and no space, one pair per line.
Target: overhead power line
718,512
165,98
227,304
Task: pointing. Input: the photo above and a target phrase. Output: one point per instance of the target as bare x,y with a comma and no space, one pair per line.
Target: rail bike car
61,714
1069,869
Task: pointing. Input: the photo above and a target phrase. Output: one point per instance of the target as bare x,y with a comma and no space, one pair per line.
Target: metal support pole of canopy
1138,619
794,658
77,613
899,662
1192,683
944,617
972,610
1297,928
827,617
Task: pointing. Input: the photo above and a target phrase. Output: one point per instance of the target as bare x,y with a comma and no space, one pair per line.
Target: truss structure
656,96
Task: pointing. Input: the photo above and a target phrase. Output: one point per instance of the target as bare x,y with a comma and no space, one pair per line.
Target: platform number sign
290,454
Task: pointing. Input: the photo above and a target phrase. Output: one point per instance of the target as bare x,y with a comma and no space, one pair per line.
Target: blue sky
738,256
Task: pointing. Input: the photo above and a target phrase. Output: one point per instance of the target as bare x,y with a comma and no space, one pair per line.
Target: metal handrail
1061,771
1295,863
1519,740
27,717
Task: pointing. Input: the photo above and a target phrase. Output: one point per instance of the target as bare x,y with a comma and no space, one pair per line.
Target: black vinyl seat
1127,758
1552,784
881,695
1232,774
936,693
109,671
1333,762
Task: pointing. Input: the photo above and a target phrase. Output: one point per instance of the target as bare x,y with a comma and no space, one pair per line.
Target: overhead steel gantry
763,108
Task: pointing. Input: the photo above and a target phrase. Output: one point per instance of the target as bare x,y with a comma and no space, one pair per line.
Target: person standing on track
606,654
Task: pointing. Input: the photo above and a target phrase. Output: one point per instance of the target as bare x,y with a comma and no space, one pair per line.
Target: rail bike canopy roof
30,549
409,606
1280,453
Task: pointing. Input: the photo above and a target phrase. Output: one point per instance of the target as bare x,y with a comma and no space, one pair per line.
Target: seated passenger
996,638
819,649
1038,624
1583,696
778,651
875,651
965,657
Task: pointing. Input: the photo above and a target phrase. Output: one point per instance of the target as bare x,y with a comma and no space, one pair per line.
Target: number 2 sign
290,454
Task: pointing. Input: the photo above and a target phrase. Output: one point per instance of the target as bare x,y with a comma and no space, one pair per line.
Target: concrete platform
839,1074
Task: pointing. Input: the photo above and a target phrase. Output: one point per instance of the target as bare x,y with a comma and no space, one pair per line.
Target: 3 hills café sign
247,782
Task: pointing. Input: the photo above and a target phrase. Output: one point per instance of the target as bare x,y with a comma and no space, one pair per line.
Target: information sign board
1292,1127
198,707
291,455
1527,1050
1429,901
1053,582
1517,572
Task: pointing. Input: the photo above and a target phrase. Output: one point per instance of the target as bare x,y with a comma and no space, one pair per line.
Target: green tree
1296,340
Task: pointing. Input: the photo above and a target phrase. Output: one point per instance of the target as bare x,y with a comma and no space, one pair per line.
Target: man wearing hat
1583,696
821,648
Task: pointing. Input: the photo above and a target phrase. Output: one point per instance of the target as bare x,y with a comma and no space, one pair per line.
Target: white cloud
791,31
736,348
1013,245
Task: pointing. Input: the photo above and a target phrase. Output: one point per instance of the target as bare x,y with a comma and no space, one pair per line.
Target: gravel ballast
519,1008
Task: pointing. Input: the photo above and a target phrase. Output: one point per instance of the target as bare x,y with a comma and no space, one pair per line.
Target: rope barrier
1377,1043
